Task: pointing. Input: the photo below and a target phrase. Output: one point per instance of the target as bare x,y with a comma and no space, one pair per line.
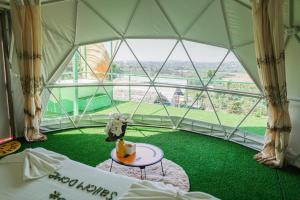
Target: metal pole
223,91
129,89
75,76
5,34
60,98
86,73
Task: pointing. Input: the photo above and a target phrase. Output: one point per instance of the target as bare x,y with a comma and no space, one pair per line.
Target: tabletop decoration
125,148
116,127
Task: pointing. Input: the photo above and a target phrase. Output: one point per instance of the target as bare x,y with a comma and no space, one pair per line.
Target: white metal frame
153,84
180,38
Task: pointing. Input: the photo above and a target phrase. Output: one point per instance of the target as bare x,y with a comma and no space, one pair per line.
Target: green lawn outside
252,124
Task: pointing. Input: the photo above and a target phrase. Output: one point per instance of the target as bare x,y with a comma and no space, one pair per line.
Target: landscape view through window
159,82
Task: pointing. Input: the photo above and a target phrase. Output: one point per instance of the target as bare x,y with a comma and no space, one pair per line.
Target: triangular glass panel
178,101
76,100
231,109
98,57
98,107
255,124
178,70
77,71
152,111
59,110
125,68
110,102
85,96
206,58
151,53
53,109
127,98
201,115
232,76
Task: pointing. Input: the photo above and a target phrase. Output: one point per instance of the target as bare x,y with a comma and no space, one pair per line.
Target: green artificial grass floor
215,166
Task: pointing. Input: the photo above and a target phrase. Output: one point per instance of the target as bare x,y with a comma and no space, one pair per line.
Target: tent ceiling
238,22
90,25
142,24
116,12
42,1
64,14
184,15
210,27
296,12
224,23
221,23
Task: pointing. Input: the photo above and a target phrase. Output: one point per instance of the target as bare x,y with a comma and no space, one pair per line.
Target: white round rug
174,174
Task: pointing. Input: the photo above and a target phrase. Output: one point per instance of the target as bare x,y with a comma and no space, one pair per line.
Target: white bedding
39,174
13,187
148,190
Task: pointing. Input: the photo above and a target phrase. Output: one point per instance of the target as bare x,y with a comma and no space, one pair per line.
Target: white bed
71,180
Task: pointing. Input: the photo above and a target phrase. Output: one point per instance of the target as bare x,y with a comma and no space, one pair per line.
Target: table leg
162,168
141,173
112,161
143,168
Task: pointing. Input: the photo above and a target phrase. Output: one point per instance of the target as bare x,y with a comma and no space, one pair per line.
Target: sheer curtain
27,30
269,46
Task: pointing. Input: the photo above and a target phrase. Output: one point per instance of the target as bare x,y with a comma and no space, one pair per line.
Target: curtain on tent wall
269,47
27,28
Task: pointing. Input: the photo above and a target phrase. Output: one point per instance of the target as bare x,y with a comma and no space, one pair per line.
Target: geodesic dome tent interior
187,65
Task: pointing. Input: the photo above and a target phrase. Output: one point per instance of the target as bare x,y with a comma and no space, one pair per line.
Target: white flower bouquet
116,127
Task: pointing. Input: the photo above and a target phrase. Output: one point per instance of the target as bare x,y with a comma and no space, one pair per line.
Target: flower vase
121,148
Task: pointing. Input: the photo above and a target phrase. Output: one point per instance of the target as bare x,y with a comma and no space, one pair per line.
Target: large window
161,82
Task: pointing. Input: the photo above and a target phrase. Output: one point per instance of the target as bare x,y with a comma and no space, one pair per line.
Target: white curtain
269,46
27,30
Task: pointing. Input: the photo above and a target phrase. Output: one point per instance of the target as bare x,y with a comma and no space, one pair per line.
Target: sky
158,50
